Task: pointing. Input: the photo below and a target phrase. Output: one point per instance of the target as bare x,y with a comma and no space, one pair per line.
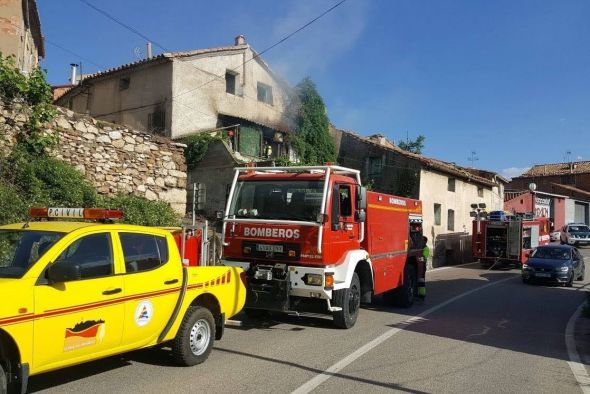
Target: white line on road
451,266
575,363
334,369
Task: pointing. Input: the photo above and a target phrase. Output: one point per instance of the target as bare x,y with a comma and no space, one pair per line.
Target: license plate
543,275
269,248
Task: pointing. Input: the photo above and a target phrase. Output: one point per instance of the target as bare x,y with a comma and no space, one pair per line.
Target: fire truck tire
404,295
195,337
3,381
350,301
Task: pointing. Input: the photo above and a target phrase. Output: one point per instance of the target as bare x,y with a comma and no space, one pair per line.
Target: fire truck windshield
282,200
19,250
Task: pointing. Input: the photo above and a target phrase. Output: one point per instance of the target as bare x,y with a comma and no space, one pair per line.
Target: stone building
446,190
228,90
20,33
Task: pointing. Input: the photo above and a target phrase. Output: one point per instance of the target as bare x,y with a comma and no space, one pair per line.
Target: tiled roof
439,165
576,167
166,55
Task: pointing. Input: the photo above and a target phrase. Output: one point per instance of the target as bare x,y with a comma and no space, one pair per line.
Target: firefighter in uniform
422,281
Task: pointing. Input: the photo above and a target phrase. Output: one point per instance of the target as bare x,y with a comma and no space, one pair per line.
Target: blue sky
509,80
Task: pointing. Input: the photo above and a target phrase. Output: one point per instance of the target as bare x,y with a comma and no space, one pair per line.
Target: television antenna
473,158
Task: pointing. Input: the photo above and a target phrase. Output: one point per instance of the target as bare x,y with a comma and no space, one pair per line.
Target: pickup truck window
93,253
143,252
19,250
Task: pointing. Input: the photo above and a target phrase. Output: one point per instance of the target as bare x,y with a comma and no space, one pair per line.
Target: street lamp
478,211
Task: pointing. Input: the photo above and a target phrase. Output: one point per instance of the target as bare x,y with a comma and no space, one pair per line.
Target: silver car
575,234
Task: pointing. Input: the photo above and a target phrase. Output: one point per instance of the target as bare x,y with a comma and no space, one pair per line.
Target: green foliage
143,212
12,208
197,146
406,184
45,181
313,143
283,161
414,146
35,92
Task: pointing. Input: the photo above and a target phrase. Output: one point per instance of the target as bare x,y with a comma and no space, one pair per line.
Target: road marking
451,266
575,363
340,365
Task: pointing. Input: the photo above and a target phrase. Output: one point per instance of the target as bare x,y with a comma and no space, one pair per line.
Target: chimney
149,50
74,77
240,40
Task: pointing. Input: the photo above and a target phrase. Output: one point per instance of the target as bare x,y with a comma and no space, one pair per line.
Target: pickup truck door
153,278
77,320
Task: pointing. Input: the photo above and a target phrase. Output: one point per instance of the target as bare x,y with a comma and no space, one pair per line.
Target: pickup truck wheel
195,337
3,381
350,301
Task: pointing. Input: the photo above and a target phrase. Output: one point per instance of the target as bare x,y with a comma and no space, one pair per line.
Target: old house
20,33
562,189
227,90
446,190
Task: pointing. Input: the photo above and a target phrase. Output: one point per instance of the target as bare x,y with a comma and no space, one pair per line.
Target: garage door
581,213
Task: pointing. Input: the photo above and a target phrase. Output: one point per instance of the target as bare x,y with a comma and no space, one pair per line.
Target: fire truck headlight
313,279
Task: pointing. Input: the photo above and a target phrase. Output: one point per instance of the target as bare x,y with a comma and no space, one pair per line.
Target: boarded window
437,214
230,82
250,140
157,121
569,179
124,83
480,191
451,185
375,166
451,220
264,93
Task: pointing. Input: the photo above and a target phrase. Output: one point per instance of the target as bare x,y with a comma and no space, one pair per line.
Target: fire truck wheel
195,337
3,381
350,301
404,295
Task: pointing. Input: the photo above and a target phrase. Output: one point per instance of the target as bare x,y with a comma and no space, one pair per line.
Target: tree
414,146
313,142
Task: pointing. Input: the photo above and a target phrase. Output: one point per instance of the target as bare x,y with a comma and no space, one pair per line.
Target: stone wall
113,158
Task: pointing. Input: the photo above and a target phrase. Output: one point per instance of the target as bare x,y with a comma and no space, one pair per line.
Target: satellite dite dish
532,186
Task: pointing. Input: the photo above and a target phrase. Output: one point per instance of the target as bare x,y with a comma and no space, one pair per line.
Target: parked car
554,236
560,264
575,234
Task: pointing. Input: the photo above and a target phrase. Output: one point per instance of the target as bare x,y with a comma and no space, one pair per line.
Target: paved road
478,331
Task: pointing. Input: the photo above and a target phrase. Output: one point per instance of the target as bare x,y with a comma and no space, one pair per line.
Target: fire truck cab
508,239
313,239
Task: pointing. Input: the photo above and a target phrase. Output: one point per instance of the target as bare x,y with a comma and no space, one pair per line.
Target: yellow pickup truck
74,291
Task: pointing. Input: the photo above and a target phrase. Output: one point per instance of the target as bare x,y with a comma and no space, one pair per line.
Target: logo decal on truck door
143,313
86,333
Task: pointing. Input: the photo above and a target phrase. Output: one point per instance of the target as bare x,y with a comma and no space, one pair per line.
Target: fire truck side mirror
360,216
361,198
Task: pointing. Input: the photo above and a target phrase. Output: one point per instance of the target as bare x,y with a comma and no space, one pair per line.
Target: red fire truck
313,239
508,240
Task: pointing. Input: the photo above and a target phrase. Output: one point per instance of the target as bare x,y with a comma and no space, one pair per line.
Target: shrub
141,211
12,207
45,181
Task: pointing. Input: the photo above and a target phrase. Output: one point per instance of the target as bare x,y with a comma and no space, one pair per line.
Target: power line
55,44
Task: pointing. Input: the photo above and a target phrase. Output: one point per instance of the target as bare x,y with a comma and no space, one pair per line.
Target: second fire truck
313,239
